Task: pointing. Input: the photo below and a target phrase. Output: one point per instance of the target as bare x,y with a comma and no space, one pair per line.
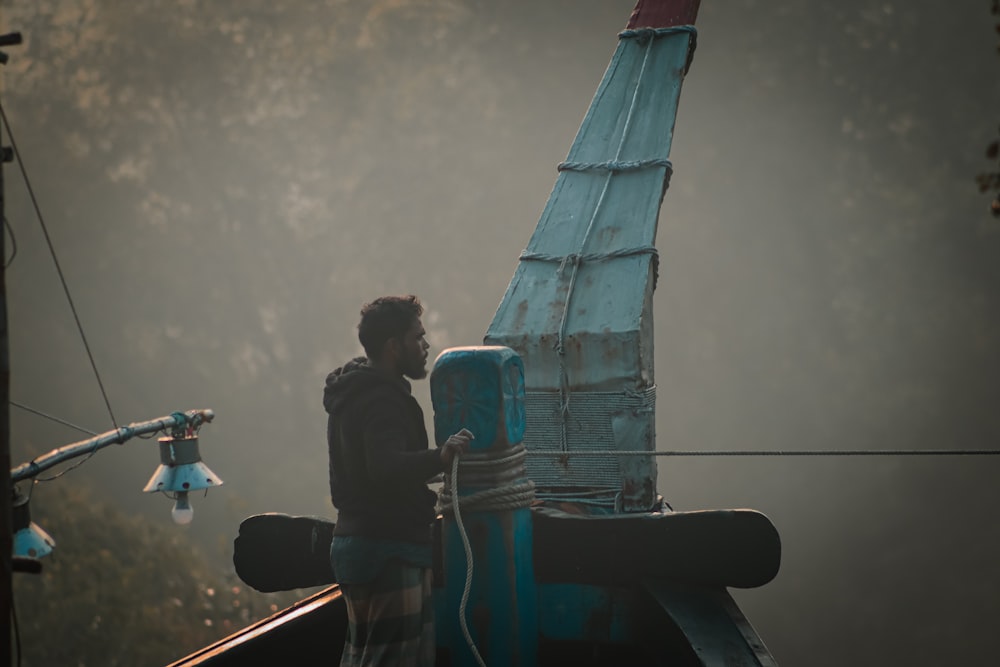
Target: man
380,464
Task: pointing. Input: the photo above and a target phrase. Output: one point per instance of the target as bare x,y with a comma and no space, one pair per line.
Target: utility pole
6,539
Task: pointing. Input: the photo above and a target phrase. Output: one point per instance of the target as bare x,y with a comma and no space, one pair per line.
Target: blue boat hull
639,589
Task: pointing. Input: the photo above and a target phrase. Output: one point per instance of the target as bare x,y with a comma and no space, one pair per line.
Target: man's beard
417,370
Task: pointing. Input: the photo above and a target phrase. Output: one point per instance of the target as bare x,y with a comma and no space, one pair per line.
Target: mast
579,307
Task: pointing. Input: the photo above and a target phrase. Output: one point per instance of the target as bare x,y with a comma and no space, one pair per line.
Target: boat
553,545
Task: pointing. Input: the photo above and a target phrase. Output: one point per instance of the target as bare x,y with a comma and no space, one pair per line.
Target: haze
227,183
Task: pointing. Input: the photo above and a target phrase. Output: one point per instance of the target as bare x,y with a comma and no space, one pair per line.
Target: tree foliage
121,590
990,181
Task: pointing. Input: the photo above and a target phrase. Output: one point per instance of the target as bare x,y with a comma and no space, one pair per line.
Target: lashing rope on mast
508,489
564,391
645,37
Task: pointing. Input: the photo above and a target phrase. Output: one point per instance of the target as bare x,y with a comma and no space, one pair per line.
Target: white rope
468,564
491,469
515,494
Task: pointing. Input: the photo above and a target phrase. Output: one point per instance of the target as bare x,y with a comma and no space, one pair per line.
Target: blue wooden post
482,389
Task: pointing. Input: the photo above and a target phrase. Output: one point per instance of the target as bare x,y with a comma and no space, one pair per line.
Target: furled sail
579,307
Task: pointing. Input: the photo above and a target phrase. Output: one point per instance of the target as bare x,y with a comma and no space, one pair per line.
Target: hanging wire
13,243
55,260
53,418
62,472
16,628
73,426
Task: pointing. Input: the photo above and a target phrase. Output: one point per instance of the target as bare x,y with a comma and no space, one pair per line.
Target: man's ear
391,347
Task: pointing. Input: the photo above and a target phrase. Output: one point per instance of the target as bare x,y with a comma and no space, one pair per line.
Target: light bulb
182,513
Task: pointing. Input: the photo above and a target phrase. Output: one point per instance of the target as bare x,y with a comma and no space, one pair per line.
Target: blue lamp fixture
181,471
30,541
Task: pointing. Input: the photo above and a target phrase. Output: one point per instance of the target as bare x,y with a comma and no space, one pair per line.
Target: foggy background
227,183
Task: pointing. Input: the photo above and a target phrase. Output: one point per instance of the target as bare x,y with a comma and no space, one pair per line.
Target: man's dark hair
385,318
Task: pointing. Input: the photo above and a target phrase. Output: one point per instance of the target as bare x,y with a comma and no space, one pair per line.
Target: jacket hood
354,379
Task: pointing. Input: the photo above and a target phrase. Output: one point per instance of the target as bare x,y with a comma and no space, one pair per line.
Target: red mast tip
663,13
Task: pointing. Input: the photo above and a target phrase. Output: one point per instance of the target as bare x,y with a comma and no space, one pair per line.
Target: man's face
413,352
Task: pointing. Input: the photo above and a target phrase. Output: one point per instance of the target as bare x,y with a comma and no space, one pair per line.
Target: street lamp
181,470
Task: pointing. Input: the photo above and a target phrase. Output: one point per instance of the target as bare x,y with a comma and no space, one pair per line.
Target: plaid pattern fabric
390,620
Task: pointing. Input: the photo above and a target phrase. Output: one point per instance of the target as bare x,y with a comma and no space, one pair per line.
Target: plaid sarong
391,619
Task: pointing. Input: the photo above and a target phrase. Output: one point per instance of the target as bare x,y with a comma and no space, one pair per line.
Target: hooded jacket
379,457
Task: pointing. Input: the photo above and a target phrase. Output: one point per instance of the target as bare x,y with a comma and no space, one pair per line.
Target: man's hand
454,446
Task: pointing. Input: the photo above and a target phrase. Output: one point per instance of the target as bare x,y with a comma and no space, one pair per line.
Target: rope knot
572,260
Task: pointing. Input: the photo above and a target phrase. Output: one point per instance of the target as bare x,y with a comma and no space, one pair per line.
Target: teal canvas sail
579,307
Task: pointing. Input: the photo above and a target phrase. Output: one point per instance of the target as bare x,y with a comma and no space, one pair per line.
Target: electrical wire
64,423
769,452
13,243
55,260
72,467
16,627
53,418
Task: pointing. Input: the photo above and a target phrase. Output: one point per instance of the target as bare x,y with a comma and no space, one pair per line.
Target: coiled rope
509,490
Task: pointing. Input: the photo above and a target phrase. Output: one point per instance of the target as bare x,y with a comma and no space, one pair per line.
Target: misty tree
225,180
990,181
246,146
120,590
250,143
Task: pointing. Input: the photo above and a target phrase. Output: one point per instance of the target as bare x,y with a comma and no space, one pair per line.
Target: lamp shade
29,539
33,542
181,468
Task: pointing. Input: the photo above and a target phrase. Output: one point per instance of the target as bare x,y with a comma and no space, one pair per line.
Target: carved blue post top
480,388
